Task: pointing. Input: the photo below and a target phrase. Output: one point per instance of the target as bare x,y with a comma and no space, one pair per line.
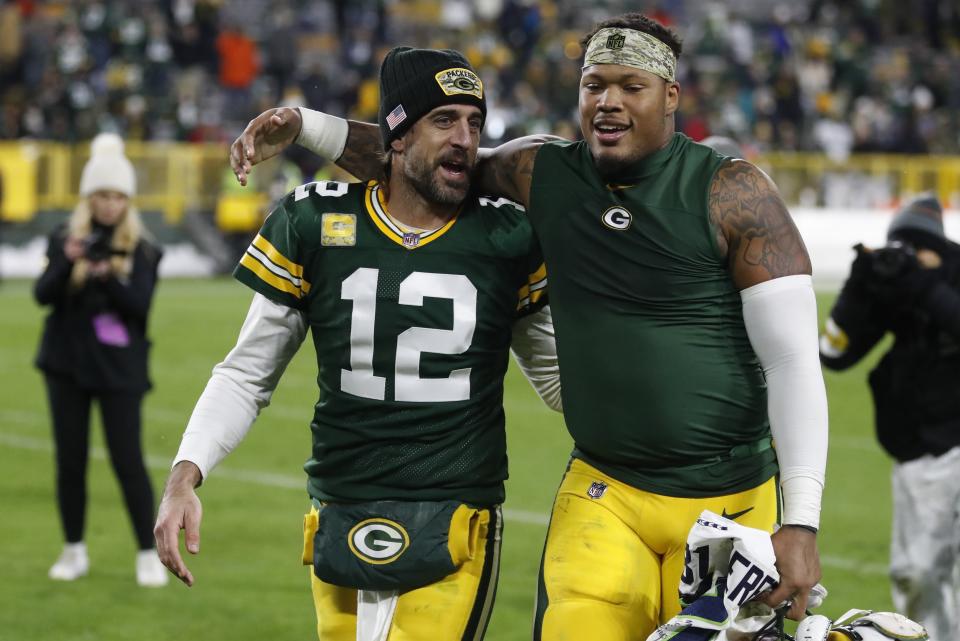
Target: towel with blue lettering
727,566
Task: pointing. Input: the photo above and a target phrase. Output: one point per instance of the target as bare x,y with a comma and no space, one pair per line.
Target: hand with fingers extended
264,137
798,563
180,509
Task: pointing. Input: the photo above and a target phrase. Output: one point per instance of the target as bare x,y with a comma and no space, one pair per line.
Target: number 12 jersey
412,334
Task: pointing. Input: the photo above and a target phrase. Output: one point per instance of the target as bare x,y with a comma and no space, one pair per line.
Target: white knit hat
108,168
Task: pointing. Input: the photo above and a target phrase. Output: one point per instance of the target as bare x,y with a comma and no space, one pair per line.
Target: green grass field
250,584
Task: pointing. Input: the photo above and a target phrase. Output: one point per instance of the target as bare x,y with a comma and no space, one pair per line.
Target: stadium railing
174,178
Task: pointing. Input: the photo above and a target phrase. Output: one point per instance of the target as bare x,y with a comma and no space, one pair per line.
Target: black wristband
808,528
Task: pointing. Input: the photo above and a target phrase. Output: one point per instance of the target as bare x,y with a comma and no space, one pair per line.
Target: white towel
727,565
375,610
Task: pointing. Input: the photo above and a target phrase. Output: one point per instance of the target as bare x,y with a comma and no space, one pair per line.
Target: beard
422,175
610,166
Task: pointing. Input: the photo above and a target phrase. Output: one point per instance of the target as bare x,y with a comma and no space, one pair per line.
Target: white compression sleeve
243,383
323,134
535,350
781,320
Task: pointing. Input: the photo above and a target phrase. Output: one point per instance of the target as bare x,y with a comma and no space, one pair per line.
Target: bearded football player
413,291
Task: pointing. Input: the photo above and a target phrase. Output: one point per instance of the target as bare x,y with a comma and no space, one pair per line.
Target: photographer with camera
99,280
911,288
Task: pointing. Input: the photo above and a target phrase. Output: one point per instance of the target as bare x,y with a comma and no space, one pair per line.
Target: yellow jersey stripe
535,287
526,297
540,274
276,270
381,225
269,277
377,210
533,290
432,236
276,257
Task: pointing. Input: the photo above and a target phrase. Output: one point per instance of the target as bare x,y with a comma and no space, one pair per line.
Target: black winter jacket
97,335
916,385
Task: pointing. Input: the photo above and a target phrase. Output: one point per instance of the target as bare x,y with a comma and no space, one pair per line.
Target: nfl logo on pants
596,489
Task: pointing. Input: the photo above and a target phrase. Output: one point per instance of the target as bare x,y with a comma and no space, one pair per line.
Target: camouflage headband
619,46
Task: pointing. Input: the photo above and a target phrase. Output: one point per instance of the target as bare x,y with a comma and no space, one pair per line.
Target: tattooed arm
754,230
274,130
769,264
363,154
507,170
504,171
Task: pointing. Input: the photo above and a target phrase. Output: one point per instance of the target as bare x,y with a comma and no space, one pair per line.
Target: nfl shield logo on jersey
411,239
596,489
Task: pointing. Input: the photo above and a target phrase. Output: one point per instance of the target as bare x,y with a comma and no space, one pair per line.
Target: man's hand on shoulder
798,563
180,509
263,138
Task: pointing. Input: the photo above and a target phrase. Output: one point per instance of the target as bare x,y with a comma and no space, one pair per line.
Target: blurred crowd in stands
838,76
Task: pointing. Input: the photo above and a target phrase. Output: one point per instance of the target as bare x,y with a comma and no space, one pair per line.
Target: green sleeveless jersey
412,334
661,387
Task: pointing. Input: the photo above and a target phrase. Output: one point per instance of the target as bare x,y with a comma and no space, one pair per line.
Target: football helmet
854,625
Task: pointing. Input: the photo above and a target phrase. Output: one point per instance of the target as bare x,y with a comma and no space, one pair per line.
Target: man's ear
672,98
399,144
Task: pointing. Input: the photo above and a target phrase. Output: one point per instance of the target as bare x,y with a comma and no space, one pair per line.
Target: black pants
120,412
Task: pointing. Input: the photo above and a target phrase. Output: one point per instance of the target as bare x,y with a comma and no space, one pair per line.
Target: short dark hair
638,22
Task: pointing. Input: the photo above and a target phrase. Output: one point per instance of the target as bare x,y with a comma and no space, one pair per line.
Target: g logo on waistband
617,218
378,541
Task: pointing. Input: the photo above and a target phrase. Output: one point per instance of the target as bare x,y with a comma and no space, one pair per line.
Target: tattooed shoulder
514,169
753,226
508,169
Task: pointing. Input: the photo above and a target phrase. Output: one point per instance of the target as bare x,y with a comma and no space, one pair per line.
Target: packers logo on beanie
415,81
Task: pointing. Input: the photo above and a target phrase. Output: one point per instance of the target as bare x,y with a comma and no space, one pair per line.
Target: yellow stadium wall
176,177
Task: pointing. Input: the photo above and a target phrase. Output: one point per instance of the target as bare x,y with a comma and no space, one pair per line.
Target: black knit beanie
415,81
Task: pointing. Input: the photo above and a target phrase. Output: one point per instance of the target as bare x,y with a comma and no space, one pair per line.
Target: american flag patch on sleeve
395,117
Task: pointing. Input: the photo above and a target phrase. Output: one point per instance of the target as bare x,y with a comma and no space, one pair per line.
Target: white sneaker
72,564
151,573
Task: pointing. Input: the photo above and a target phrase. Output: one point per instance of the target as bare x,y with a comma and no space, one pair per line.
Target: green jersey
412,334
661,387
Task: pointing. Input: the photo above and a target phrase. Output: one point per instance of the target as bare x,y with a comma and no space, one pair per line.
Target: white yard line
263,479
267,479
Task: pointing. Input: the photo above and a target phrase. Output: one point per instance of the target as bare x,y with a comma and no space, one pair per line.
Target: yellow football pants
456,608
612,563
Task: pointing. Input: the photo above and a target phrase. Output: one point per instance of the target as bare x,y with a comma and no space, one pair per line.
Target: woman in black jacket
99,281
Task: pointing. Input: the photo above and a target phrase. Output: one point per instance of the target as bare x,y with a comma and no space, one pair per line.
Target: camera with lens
96,246
890,261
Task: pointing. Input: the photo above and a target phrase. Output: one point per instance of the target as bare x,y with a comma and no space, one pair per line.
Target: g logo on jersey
378,541
617,218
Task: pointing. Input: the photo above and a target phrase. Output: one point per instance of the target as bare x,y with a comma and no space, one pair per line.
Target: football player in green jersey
687,332
413,292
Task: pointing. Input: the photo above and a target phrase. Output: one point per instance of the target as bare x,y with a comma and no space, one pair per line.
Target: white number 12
361,288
